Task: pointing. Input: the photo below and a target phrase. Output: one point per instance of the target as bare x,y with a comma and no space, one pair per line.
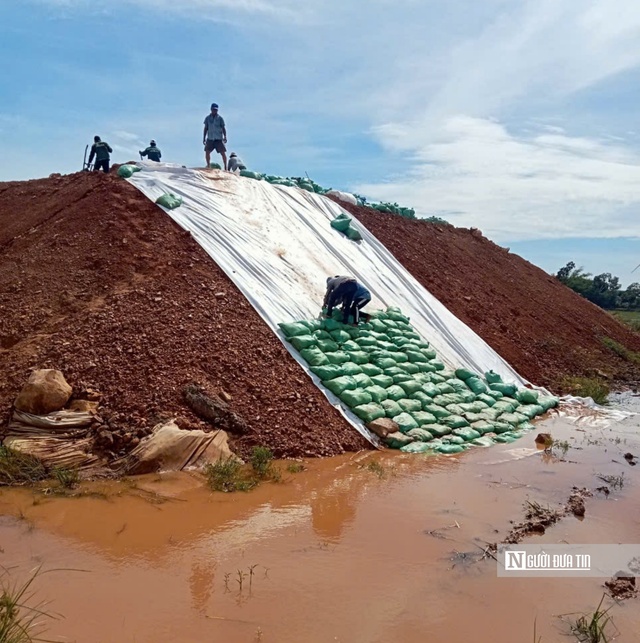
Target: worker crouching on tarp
346,291
153,152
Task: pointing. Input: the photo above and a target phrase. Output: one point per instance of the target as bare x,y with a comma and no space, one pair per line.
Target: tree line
603,290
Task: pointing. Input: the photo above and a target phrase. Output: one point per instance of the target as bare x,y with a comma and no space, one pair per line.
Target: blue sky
519,117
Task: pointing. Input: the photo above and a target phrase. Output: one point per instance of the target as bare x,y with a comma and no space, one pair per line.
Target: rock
84,405
45,391
225,396
383,427
544,439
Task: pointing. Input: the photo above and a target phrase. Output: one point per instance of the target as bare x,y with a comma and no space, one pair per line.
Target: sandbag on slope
276,244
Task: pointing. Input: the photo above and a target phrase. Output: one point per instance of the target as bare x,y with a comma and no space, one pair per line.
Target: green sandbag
369,412
473,407
527,396
169,201
380,380
341,384
356,397
409,405
431,389
405,422
548,402
402,377
416,357
416,447
312,324
444,388
353,234
504,407
431,355
455,422
293,329
340,336
426,367
397,440
341,222
496,395
437,430
464,374
371,370
492,378
449,449
482,427
455,409
410,387
505,389
439,411
328,371
393,371
363,381
326,345
472,417
314,356
422,397
476,385
424,417
338,357
526,426
491,414
482,441
322,335
468,396
439,366
457,385
487,399
350,345
350,368
127,171
395,393
303,341
402,341
250,175
422,435
511,418
359,357
384,362
466,433
510,400
505,437
367,341
530,410
501,427
448,398
377,393
400,358
410,368
331,324
391,408
378,326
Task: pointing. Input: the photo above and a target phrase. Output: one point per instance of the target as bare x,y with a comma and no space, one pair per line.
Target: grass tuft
67,478
592,387
227,476
19,468
620,350
295,467
591,628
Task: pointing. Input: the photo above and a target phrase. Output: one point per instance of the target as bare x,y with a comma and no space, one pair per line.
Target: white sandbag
343,196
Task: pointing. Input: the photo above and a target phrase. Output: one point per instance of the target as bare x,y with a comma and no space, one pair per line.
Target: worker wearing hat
235,163
152,152
214,136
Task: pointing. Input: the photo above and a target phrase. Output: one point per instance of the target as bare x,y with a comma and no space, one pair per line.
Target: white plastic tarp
275,243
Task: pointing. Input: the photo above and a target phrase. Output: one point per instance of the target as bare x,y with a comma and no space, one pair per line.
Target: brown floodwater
341,552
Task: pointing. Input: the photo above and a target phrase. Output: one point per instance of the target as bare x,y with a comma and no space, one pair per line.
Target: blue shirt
362,293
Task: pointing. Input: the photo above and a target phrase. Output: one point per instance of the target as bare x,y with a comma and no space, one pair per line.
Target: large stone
383,427
46,391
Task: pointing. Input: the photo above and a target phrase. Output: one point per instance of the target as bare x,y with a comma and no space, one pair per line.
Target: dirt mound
95,280
541,327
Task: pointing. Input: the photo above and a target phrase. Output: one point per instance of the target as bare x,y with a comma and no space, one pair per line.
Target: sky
518,117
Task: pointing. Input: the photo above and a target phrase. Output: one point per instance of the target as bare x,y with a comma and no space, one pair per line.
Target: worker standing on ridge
348,292
214,136
235,163
152,152
101,150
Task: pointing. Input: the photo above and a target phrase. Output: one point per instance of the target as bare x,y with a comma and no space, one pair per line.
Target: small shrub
67,478
592,387
295,467
19,468
592,628
227,476
262,461
620,350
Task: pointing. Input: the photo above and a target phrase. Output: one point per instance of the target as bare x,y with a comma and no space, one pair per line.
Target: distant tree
603,290
630,298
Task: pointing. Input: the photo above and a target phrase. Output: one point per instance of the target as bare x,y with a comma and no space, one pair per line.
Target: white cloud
476,173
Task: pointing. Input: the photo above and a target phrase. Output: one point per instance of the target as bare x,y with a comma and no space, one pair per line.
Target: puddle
340,552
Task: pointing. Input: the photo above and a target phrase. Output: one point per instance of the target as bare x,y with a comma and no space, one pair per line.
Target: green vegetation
620,350
592,628
616,482
295,467
629,317
19,468
560,445
19,622
67,478
230,475
592,387
603,290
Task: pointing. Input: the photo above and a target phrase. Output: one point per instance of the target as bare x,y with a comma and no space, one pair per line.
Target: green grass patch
620,350
19,468
629,317
230,475
592,387
67,478
594,628
295,467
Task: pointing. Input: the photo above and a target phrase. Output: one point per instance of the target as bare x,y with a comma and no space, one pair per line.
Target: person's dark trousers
102,165
343,293
354,310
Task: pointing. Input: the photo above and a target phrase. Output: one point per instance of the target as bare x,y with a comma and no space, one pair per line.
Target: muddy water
339,552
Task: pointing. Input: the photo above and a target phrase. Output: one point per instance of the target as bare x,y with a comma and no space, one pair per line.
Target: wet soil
365,548
95,280
538,325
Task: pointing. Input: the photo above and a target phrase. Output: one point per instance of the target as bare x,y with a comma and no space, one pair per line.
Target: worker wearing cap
152,152
214,136
101,150
235,163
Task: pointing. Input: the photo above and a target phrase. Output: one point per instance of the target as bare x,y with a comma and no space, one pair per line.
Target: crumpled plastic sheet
276,245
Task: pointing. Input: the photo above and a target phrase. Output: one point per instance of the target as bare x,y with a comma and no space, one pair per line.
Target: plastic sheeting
275,243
